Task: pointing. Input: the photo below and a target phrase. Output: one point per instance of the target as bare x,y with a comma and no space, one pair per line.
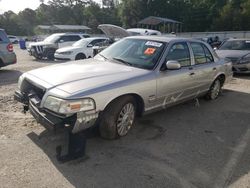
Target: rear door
205,68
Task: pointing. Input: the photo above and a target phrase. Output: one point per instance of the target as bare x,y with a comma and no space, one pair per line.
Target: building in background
164,25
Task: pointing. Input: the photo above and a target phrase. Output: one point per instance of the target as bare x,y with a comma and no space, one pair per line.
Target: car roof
165,39
61,34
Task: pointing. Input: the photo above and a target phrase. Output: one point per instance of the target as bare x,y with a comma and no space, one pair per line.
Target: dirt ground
184,146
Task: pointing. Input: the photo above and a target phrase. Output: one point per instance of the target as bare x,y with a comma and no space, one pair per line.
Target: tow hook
25,108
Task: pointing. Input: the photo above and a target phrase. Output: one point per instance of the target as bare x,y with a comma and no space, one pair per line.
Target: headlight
68,106
20,81
52,103
66,53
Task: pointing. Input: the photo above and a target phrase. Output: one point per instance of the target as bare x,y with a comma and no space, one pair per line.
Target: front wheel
118,118
50,55
80,56
214,90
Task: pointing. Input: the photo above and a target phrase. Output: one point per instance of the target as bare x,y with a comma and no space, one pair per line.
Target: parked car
134,76
79,50
13,39
47,47
7,54
213,41
115,32
238,51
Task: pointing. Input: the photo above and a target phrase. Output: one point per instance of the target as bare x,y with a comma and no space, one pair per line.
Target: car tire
38,57
118,118
80,56
50,55
214,90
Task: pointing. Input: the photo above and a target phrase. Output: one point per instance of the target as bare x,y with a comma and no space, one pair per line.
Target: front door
176,85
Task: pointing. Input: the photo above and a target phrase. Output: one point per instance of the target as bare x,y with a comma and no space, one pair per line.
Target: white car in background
13,39
80,50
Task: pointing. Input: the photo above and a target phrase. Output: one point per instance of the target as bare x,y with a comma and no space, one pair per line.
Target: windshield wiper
123,61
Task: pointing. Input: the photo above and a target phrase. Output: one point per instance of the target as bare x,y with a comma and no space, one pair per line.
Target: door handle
214,68
192,73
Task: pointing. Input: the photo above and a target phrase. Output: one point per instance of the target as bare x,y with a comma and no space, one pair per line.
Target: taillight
10,47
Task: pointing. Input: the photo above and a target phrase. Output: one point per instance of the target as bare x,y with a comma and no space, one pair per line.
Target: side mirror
61,41
173,65
90,45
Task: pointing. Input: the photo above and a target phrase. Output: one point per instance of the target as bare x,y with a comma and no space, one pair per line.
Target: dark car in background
238,51
7,54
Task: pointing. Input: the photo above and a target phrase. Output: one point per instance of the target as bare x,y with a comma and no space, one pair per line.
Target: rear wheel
214,90
80,56
118,118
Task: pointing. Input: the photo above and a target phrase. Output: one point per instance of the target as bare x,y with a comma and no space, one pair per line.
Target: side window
64,38
70,38
95,42
180,52
199,53
74,38
209,56
3,37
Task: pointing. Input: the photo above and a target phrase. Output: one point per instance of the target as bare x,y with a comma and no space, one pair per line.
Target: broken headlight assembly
69,107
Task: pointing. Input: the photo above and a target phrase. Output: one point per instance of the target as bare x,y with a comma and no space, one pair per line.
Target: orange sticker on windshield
149,51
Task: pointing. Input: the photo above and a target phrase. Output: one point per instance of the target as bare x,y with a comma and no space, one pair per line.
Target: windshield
52,38
139,53
81,43
236,45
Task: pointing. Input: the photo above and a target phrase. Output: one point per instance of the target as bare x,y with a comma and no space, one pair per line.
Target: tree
27,20
9,22
131,12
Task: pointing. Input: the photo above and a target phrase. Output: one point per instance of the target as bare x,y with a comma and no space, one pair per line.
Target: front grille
38,49
30,88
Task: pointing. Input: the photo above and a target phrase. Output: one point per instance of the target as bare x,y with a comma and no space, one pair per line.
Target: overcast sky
18,5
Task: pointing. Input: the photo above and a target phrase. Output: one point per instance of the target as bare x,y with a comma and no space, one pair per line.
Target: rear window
3,37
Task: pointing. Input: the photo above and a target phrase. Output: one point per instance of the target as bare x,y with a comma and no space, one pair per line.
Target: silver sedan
132,77
238,51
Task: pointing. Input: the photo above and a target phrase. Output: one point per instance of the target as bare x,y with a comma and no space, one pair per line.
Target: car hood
41,43
85,75
69,48
236,54
113,31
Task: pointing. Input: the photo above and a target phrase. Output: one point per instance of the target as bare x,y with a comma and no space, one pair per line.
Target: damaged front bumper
51,121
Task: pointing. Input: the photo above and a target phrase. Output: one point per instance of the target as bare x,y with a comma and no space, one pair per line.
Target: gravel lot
183,146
